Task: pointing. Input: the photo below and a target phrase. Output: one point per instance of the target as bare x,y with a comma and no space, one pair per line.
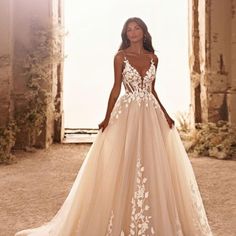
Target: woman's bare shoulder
151,54
155,58
119,58
120,52
119,55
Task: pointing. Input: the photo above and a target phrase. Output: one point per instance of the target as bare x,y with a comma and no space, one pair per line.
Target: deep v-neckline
145,74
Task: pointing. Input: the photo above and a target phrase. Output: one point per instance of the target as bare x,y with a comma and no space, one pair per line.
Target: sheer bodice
134,82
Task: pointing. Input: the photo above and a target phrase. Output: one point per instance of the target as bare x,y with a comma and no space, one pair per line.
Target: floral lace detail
109,227
133,81
200,219
140,98
139,221
137,89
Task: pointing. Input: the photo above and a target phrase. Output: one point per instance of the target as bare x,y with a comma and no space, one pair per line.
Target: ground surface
33,189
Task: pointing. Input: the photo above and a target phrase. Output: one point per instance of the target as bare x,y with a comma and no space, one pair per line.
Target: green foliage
38,64
37,69
7,141
215,140
183,121
210,139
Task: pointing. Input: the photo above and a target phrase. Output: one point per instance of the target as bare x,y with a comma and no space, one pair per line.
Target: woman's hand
169,121
103,124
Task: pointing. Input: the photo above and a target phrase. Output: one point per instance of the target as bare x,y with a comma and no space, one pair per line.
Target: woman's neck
137,49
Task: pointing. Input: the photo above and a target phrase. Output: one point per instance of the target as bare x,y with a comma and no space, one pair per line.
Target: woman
136,178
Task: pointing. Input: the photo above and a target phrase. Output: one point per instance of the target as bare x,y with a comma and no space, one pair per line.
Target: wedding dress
136,178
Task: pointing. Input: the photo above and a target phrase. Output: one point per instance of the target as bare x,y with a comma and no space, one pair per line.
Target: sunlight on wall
94,37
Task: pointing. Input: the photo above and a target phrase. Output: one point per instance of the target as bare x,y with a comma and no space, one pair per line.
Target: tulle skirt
136,179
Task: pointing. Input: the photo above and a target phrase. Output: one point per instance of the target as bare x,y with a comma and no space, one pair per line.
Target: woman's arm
168,118
115,91
163,109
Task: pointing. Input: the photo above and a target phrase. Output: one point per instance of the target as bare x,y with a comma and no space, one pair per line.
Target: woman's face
134,32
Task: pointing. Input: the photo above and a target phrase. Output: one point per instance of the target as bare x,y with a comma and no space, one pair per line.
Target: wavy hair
147,43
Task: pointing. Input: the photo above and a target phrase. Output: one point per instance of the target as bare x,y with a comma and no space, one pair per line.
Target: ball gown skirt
136,178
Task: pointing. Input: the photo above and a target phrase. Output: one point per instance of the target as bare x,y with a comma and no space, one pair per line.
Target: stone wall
5,62
15,43
212,60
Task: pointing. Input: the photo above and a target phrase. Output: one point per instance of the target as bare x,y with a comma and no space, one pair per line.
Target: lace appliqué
124,102
137,89
200,220
133,81
109,227
139,221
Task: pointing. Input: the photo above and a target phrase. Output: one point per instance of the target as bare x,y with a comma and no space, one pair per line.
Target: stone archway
212,54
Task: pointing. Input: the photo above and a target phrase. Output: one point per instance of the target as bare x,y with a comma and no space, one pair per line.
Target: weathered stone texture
212,61
16,41
5,63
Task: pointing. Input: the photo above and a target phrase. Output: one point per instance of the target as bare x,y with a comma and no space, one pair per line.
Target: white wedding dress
136,178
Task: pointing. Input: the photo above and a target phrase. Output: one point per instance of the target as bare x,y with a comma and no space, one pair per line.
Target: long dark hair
147,43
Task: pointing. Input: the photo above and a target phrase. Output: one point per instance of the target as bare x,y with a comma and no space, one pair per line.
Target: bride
136,178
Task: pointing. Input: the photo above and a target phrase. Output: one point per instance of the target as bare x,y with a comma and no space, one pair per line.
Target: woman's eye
136,28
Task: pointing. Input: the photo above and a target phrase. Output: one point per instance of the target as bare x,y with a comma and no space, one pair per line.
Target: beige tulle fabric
136,178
